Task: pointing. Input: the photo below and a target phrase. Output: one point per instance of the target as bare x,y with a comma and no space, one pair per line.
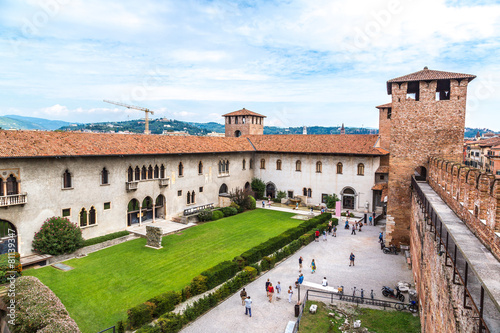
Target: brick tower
426,118
244,122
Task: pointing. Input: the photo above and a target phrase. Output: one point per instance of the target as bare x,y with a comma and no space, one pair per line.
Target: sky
299,62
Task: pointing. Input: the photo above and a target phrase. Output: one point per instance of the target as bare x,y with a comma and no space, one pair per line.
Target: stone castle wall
473,195
420,129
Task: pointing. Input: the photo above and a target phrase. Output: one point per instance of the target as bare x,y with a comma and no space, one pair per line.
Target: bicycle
412,307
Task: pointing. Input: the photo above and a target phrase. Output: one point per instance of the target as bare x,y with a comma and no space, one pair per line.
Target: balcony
131,186
14,199
164,182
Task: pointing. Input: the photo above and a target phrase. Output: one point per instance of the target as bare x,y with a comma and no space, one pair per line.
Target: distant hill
471,132
30,123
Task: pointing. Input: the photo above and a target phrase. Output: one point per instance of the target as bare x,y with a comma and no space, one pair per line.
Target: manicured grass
103,285
378,321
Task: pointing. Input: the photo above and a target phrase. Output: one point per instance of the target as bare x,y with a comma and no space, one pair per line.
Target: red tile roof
49,144
428,75
488,142
243,112
39,144
322,144
383,169
380,186
384,106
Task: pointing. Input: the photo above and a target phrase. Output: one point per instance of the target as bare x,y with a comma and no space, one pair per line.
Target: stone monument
153,236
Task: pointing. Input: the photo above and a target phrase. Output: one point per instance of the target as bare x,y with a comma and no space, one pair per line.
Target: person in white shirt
325,282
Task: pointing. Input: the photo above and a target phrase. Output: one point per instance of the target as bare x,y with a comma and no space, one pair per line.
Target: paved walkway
372,271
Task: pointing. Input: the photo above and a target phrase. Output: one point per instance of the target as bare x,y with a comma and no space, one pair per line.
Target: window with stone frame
244,164
150,172
162,171
92,216
309,193
298,165
156,172
188,198
193,197
319,167
304,191
66,212
278,165
1,187
340,168
251,163
181,169
361,169
130,174
83,217
200,168
137,173
262,163
144,172
67,181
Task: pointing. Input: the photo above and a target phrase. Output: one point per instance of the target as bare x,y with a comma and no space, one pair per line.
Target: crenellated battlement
473,195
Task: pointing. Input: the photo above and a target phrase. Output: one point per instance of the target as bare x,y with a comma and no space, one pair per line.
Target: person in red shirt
317,235
270,292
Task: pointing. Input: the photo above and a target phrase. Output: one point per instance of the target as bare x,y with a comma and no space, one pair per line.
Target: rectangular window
66,212
200,189
179,193
290,194
324,197
381,177
107,205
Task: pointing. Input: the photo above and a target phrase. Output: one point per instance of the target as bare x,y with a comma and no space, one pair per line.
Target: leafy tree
58,236
331,200
259,187
281,195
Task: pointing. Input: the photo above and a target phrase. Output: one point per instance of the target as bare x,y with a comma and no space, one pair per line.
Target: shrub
141,314
252,202
251,272
265,263
258,186
10,263
205,215
239,261
220,273
38,309
58,236
165,302
120,327
97,240
331,200
171,322
280,195
199,285
238,208
229,211
150,329
344,214
217,214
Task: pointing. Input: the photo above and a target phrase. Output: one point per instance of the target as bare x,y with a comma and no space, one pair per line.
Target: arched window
83,217
188,198
162,171
309,193
298,165
144,172
130,174
193,196
304,191
150,172
251,163
339,167
181,169
66,181
227,166
221,167
1,187
237,133
12,185
262,163
223,189
157,172
243,163
319,167
104,176
92,218
200,168
361,169
137,173
278,165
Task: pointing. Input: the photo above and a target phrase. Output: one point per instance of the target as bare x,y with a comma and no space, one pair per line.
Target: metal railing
474,292
108,329
13,199
196,210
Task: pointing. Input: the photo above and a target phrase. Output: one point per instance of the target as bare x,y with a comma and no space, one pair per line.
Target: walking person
316,235
324,235
290,293
381,237
373,217
278,291
334,231
351,258
243,295
301,278
248,306
370,220
270,292
267,285
300,264
313,267
353,232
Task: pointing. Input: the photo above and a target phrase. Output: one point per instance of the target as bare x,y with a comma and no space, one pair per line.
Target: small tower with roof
342,129
243,122
426,118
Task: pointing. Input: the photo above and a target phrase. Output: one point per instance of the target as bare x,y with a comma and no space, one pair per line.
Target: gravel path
372,270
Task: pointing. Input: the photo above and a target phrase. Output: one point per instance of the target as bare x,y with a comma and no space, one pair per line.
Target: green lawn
103,285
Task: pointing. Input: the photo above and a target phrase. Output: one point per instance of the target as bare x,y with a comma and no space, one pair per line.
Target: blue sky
298,62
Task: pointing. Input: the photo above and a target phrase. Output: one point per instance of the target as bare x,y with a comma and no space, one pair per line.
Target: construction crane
147,111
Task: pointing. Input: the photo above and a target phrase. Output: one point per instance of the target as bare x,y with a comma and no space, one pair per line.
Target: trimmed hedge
252,203
229,211
205,215
101,239
220,273
165,302
12,264
217,214
37,309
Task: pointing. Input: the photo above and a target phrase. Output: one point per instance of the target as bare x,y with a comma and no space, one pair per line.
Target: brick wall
247,128
384,128
420,129
473,195
440,300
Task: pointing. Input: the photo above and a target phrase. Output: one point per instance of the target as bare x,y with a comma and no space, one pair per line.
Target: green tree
331,200
58,236
281,195
259,187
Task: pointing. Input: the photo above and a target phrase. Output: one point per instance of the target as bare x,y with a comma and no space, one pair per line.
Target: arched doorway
247,186
223,190
7,233
421,173
133,212
160,207
147,209
348,198
270,190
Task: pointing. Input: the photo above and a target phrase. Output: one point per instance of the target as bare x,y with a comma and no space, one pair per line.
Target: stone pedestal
153,236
